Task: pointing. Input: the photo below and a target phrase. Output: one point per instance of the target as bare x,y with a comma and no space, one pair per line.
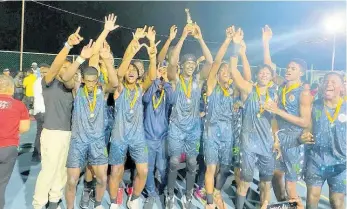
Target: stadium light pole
333,25
22,37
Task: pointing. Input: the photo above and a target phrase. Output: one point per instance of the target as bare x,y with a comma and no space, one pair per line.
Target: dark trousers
29,102
8,156
39,117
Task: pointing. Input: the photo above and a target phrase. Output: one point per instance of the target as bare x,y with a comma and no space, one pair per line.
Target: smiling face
332,86
223,73
132,75
293,72
264,76
189,68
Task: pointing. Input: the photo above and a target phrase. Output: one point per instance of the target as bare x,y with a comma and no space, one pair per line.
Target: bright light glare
334,23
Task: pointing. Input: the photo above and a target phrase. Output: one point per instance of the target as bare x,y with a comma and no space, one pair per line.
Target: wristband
235,50
67,45
80,60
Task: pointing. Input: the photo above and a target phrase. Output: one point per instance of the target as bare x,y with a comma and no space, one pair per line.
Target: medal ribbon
156,105
189,91
336,113
132,102
285,91
261,108
91,104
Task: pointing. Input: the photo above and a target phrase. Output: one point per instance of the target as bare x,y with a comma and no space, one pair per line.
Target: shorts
217,152
292,163
79,152
335,175
180,142
248,162
137,148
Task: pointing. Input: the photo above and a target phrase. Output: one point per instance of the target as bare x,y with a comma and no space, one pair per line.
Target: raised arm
59,60
212,80
110,25
106,56
86,53
163,51
205,51
152,53
247,74
173,60
243,85
267,35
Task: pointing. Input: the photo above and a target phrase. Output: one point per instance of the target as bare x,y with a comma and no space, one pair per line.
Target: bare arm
212,80
206,52
24,126
173,61
304,119
86,53
247,74
163,51
105,54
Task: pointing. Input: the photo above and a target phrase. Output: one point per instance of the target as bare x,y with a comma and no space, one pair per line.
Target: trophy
189,18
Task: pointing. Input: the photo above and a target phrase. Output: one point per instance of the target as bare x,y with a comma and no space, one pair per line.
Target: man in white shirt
36,69
39,110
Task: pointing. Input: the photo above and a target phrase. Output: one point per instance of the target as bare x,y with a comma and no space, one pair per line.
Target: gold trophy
189,18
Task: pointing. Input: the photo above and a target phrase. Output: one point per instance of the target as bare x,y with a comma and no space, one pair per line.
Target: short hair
44,65
260,67
333,73
6,83
301,63
188,57
90,71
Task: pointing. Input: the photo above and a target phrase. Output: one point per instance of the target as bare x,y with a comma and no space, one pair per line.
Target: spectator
7,72
39,110
28,84
18,83
16,121
36,70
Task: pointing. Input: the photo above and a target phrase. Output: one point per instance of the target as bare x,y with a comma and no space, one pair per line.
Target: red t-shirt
11,112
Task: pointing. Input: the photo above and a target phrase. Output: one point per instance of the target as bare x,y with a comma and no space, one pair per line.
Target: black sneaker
84,203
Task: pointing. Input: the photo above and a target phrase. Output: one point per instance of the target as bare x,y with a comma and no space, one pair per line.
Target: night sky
296,26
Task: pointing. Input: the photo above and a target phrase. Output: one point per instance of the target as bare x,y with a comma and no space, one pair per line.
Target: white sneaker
99,207
115,206
135,204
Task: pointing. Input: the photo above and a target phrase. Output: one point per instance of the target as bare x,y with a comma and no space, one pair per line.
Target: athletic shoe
169,202
84,203
135,204
149,202
187,202
115,206
200,195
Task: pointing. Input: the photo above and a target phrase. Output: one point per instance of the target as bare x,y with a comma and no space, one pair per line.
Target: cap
6,70
34,63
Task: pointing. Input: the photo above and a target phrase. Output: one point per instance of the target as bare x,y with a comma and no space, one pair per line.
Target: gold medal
285,91
261,108
91,104
133,101
258,115
336,113
156,105
186,91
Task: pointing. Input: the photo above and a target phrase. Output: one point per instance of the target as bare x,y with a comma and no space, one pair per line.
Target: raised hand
243,47
173,32
238,36
152,50
87,50
201,59
267,33
188,29
197,32
105,51
75,38
151,34
140,33
110,22
229,32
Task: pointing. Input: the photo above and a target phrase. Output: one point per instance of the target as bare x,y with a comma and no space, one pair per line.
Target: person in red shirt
14,120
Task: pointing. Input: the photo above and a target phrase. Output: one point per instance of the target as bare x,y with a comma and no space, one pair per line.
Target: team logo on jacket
342,118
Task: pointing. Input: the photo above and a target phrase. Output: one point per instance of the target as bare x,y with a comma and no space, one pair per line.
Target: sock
88,185
209,199
53,205
240,201
134,197
97,203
